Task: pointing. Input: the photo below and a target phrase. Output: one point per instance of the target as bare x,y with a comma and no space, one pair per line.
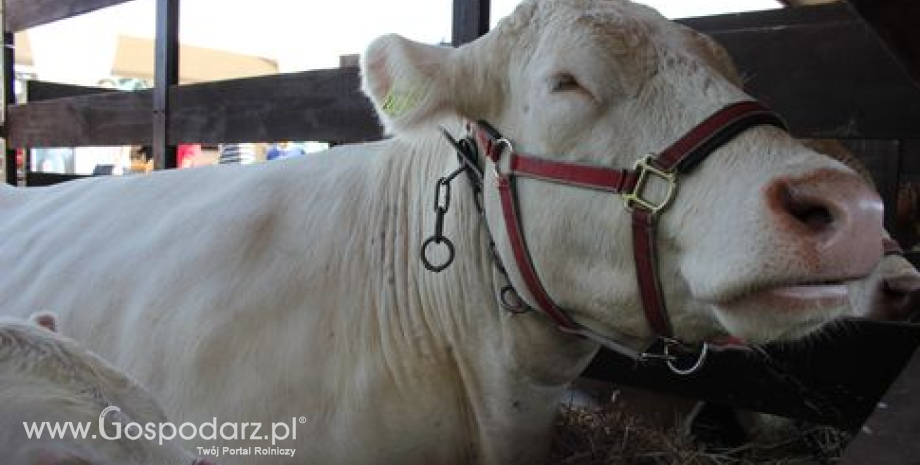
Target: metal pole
9,98
470,20
166,75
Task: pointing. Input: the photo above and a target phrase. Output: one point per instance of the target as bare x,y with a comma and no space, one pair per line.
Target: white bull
47,380
294,289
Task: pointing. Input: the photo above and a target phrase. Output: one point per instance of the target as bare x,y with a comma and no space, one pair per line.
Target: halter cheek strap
680,158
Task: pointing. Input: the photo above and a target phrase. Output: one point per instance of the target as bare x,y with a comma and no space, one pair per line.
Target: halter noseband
678,159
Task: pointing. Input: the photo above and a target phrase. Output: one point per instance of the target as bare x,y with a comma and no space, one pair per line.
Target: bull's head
761,238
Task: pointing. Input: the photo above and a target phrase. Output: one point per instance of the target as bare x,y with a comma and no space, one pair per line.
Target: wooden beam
37,91
322,105
470,20
829,78
120,118
889,436
23,14
778,18
38,178
835,378
895,22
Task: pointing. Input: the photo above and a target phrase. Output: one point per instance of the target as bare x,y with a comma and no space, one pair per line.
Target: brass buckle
645,168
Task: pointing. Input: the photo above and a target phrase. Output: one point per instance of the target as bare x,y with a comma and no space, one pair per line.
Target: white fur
294,288
45,377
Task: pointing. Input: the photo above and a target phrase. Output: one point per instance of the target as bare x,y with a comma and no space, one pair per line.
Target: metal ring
518,306
507,143
450,254
700,360
507,147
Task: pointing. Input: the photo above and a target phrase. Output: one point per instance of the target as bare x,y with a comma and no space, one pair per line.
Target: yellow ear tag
398,102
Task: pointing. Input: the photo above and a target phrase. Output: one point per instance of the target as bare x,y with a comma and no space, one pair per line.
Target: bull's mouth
795,296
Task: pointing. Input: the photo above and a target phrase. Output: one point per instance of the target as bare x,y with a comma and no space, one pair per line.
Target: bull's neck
499,356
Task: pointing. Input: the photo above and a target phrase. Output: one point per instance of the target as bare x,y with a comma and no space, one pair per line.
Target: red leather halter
680,158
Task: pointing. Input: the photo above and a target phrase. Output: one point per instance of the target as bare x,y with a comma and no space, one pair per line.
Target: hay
607,435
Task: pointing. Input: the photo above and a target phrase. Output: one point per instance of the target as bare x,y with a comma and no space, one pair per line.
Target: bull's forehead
616,31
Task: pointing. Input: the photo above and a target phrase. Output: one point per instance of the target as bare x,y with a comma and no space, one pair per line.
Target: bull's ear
47,320
408,81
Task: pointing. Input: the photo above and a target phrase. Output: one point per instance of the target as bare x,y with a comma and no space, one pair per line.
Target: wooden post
470,20
9,98
166,75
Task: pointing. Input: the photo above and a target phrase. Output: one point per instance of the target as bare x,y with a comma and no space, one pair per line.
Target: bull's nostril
814,215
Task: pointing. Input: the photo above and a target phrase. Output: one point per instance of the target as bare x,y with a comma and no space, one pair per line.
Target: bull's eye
564,83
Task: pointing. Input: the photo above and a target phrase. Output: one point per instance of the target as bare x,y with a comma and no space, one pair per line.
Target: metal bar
166,75
470,20
9,98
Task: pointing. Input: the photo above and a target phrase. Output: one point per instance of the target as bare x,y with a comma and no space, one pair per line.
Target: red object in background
185,153
20,158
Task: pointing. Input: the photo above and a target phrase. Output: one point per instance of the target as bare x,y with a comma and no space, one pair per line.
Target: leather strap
523,259
681,157
646,258
714,132
574,174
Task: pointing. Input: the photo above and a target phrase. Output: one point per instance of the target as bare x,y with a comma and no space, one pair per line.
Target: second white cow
292,292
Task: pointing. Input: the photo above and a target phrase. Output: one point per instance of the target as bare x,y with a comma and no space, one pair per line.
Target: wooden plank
834,378
895,22
830,80
120,118
23,14
37,91
890,435
470,20
38,178
166,75
778,18
321,105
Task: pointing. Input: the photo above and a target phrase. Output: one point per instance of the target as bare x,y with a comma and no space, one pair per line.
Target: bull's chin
794,298
784,312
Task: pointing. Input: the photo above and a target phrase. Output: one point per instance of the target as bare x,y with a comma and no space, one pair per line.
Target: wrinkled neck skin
513,368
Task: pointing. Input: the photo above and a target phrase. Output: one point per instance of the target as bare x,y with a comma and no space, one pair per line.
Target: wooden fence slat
120,118
895,22
322,105
831,80
37,91
23,14
782,17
